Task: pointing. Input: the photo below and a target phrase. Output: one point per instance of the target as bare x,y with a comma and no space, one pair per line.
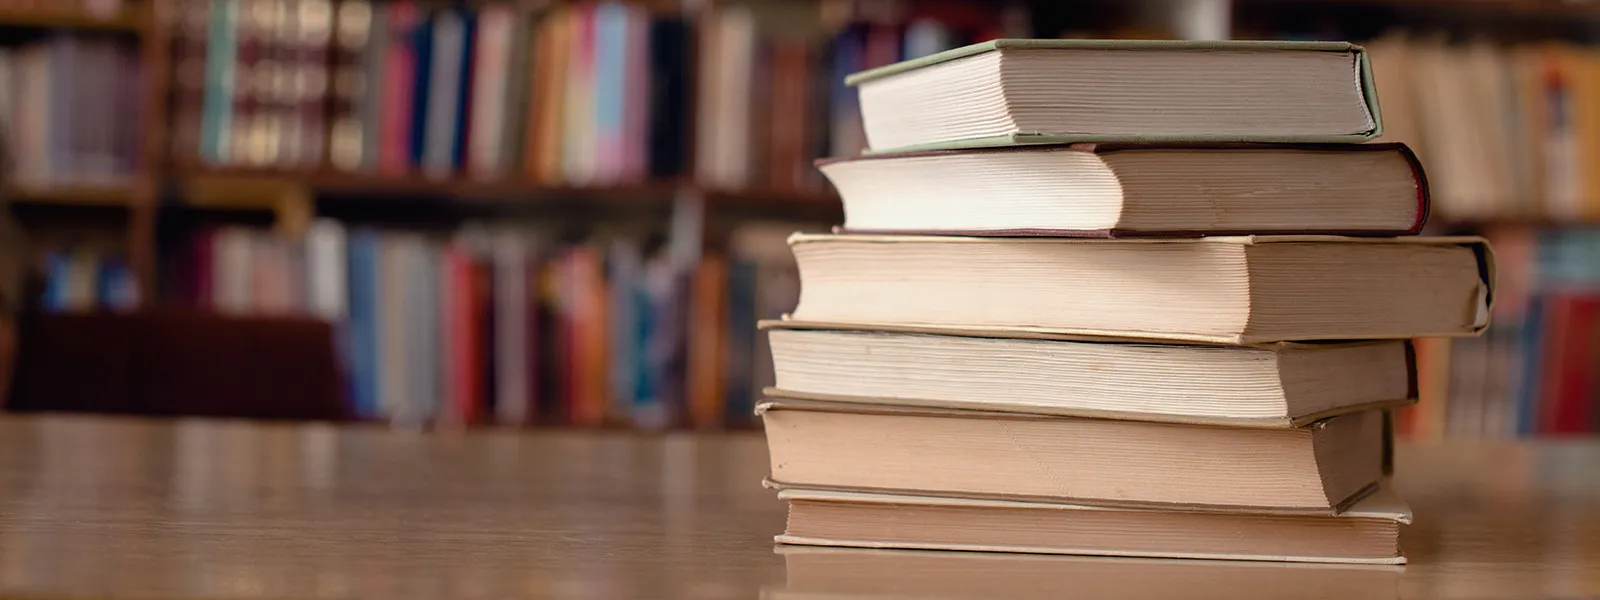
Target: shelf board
75,195
130,19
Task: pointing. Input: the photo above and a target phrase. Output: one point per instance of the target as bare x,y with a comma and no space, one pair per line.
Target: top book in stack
1006,92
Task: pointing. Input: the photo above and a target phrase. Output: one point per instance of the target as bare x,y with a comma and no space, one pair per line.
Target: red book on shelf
1552,382
399,77
480,302
535,356
1572,404
456,320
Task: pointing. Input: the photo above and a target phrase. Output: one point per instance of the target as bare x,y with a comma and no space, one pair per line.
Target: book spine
220,63
312,51
399,99
609,93
637,98
374,64
669,97
347,106
577,152
490,74
427,66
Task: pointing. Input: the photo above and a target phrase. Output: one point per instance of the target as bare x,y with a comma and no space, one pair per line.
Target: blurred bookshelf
582,206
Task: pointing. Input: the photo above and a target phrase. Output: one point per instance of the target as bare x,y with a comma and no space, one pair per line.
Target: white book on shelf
489,80
513,381
327,291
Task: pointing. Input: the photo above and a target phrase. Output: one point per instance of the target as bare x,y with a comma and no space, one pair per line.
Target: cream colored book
1132,189
1318,469
818,573
1014,91
1366,533
1231,290
1270,385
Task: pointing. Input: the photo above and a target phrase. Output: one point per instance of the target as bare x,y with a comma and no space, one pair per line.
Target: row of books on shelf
508,327
577,94
1534,372
1505,131
64,109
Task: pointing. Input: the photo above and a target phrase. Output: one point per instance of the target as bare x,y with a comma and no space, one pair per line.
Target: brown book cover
1423,198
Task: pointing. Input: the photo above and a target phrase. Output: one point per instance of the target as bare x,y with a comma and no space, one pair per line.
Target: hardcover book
1012,91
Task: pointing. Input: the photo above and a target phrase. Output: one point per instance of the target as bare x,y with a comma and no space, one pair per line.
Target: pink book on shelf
455,309
636,97
400,71
487,113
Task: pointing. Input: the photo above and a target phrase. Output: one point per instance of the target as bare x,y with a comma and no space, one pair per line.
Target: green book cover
1369,90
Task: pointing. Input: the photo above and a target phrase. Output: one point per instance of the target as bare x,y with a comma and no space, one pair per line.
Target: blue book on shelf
362,333
422,40
464,76
610,80
57,282
216,104
1528,385
116,287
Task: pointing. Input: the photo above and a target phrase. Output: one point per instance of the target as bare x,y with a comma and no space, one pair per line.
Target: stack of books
1121,298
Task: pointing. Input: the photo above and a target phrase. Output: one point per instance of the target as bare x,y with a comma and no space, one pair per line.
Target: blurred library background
571,214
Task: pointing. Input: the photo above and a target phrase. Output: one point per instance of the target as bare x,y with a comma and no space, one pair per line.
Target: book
816,573
1136,189
1273,385
1319,469
1368,532
1233,290
1012,91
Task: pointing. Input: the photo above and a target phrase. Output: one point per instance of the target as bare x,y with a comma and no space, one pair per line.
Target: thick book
1319,469
1232,290
818,573
1137,189
1009,91
1369,532
1268,385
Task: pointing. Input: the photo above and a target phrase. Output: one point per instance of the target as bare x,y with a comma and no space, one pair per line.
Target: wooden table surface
109,508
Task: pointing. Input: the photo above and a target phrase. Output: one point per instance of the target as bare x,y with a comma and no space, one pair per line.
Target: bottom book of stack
1367,533
814,573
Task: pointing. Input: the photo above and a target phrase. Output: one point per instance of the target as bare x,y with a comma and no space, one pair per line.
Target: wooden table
101,508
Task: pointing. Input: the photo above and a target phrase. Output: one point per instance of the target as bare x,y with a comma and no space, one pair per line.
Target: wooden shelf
109,195
129,20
